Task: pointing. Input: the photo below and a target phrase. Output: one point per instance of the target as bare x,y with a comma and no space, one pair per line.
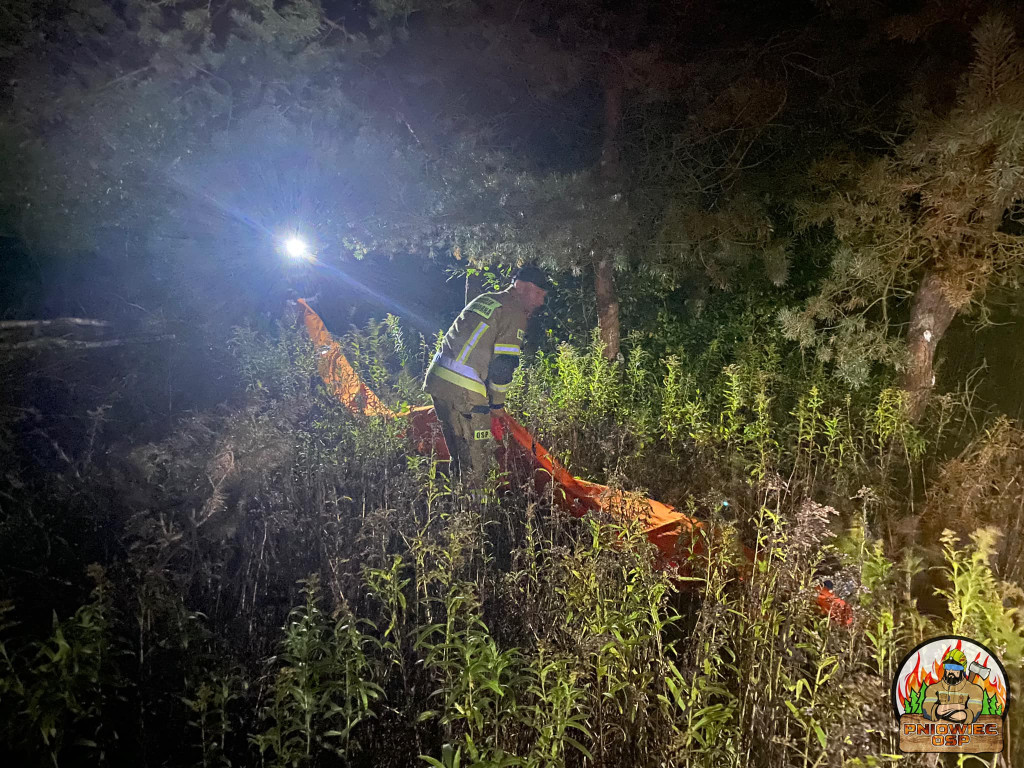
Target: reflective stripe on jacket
459,374
491,325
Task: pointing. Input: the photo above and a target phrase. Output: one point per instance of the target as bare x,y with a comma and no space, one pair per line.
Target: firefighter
469,376
954,698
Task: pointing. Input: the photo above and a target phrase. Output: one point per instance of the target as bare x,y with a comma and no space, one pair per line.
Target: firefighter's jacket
480,352
965,693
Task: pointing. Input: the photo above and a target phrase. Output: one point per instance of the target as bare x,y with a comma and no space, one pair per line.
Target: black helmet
533,274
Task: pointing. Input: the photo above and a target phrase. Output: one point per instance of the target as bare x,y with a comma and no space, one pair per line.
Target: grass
296,589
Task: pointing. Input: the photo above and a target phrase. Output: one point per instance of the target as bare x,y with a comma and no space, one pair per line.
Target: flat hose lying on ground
675,535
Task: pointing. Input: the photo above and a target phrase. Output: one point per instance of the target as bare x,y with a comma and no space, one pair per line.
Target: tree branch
7,325
54,343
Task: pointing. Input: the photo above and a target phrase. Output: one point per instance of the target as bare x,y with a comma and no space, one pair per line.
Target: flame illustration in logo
919,678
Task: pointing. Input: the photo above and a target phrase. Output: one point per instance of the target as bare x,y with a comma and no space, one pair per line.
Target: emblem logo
950,694
484,306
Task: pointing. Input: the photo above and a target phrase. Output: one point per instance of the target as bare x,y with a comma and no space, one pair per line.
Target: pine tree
928,225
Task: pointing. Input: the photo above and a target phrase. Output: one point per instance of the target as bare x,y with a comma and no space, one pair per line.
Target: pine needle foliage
941,202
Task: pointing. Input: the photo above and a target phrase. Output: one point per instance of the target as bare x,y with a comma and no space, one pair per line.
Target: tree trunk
930,317
607,305
604,269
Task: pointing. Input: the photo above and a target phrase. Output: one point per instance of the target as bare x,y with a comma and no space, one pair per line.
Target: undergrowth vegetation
283,584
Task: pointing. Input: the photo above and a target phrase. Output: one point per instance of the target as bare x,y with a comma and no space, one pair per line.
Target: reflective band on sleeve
467,348
507,349
500,387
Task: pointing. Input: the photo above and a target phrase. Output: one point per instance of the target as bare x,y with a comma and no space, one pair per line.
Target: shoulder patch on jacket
520,335
484,306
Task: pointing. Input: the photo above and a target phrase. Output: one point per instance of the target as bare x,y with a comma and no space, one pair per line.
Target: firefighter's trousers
467,433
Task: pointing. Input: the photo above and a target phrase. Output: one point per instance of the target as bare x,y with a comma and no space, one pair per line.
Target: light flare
296,247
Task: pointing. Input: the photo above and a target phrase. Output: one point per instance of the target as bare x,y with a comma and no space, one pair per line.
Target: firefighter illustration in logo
950,695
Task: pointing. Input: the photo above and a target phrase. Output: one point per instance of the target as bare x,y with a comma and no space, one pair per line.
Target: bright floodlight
296,247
